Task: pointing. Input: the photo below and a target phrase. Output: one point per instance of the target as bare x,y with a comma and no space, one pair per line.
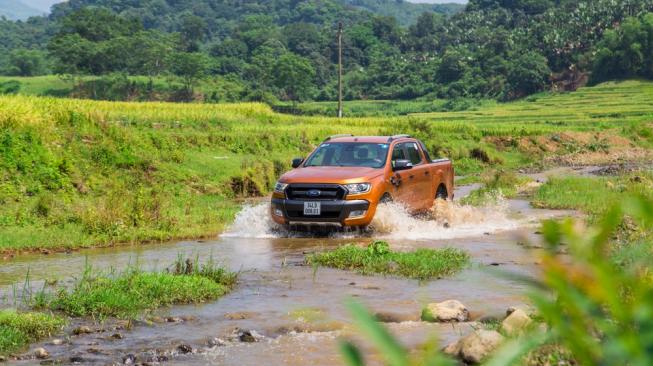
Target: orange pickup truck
345,178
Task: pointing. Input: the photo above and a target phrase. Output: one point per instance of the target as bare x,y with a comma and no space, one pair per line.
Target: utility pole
340,70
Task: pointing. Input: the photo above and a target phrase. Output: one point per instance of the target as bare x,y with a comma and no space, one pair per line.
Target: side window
413,153
398,153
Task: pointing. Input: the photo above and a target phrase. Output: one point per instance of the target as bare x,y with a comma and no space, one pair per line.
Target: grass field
77,173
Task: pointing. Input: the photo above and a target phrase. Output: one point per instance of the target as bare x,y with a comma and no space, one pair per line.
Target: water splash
446,220
254,221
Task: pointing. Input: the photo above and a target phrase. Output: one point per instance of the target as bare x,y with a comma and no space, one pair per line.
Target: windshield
367,155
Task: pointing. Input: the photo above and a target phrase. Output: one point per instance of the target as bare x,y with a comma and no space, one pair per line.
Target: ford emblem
314,193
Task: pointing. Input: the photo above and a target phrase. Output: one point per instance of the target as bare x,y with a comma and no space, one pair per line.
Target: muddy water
297,314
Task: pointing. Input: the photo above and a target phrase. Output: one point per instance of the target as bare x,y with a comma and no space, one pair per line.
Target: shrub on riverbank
377,258
18,329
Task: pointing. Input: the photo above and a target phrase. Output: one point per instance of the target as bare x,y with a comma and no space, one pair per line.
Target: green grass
78,173
18,329
377,258
591,195
497,184
132,293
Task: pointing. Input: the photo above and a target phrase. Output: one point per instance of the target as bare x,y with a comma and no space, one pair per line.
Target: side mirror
296,162
402,164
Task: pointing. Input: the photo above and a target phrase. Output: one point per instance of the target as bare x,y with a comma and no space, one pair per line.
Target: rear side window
413,153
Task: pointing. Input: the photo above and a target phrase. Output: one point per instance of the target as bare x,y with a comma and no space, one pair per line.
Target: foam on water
446,220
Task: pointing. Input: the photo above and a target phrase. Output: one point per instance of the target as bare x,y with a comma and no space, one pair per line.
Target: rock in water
516,322
446,311
184,348
246,336
475,347
82,330
41,353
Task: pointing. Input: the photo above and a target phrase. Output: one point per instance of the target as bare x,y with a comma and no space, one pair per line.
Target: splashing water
445,220
254,221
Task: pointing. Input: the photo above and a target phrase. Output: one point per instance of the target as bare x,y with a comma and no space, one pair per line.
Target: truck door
410,185
421,177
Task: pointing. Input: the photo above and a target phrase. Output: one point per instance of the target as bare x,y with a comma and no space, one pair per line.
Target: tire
386,198
441,193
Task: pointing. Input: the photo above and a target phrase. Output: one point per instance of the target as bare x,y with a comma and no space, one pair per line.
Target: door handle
426,172
411,176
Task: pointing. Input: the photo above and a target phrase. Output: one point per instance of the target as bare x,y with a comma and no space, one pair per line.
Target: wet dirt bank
294,313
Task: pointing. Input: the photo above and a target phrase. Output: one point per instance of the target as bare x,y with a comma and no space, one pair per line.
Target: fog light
357,213
278,212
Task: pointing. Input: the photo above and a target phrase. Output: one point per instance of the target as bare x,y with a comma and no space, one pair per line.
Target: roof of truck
367,139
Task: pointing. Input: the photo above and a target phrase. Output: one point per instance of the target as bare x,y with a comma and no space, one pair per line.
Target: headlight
280,187
358,188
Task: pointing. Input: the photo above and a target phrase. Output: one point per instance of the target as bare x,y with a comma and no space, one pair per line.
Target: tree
527,73
294,76
190,67
626,51
23,62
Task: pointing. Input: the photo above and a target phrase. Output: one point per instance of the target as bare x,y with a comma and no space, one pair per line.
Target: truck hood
331,174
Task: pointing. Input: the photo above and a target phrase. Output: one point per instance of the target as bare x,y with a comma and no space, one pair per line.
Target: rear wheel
441,193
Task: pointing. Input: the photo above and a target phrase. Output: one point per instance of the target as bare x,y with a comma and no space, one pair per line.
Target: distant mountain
42,5
17,10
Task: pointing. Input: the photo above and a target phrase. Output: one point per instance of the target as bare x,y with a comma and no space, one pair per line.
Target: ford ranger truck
345,178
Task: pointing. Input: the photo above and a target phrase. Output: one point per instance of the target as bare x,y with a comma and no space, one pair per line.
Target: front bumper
332,212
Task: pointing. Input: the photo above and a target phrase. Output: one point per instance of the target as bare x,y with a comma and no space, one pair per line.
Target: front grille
324,215
315,192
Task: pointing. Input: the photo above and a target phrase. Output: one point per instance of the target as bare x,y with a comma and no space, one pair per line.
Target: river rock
246,336
446,311
516,322
184,348
82,329
57,342
41,353
476,346
129,359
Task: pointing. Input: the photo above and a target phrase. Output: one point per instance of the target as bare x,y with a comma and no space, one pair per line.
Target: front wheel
441,193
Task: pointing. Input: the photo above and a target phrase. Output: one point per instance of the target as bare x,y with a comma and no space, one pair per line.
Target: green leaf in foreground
377,258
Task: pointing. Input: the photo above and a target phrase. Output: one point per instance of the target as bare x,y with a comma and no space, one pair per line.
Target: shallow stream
295,313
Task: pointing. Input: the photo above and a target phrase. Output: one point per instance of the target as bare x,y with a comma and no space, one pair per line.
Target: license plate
312,208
